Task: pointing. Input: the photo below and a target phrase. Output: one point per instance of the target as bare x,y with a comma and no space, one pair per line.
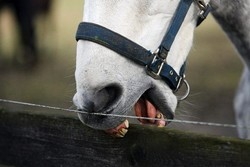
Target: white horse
108,83
234,18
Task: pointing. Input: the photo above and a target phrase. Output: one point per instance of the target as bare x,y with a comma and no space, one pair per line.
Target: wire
123,116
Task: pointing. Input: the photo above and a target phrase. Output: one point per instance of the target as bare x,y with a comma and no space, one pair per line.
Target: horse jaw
98,68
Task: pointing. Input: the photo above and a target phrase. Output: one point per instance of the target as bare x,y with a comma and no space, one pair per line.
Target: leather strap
155,62
114,41
127,48
175,25
159,67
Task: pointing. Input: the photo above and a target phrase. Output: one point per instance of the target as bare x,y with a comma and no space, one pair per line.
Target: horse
25,13
131,57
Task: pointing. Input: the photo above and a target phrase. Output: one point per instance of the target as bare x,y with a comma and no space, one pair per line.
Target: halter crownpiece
155,62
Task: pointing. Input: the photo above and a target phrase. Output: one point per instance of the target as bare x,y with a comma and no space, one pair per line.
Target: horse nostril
107,97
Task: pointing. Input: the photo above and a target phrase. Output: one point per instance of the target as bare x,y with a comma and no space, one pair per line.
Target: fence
28,140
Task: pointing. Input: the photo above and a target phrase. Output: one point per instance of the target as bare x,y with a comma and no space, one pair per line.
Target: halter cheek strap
155,63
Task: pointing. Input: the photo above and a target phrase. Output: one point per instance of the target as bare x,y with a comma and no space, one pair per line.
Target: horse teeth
123,131
160,122
119,135
159,116
126,123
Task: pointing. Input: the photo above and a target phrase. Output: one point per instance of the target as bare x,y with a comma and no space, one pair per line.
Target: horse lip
155,100
97,119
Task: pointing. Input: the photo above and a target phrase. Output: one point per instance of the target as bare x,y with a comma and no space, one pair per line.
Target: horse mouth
148,112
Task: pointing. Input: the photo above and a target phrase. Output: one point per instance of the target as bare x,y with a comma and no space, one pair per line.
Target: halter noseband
155,63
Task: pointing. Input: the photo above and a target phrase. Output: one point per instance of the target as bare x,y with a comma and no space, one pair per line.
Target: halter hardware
158,64
202,5
157,57
205,9
155,63
185,82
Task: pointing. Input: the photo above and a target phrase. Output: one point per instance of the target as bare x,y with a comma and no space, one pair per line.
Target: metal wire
123,116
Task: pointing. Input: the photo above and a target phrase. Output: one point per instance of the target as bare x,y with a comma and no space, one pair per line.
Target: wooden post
42,141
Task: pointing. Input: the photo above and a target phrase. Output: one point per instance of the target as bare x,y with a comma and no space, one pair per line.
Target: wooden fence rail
42,141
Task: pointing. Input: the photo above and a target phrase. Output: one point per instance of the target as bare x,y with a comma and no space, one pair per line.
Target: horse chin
100,122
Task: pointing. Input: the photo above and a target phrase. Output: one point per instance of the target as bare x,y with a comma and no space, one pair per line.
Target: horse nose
101,101
106,98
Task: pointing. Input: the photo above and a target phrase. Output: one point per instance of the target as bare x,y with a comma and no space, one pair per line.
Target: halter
155,62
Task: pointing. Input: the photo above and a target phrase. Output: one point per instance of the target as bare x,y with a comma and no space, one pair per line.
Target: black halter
155,62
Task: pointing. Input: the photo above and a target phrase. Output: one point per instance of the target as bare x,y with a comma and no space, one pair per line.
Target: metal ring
201,4
187,91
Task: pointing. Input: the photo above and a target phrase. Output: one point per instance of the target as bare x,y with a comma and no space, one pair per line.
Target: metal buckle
185,82
180,82
205,8
150,72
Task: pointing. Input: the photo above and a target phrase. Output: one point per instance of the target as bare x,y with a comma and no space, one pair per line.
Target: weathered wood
37,140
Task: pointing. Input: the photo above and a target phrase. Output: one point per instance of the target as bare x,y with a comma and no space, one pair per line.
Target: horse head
108,83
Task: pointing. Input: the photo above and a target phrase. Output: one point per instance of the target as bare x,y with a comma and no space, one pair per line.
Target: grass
213,68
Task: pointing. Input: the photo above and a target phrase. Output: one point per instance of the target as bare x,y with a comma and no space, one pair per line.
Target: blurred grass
213,68
52,82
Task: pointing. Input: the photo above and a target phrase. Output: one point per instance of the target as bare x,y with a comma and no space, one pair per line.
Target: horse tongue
144,108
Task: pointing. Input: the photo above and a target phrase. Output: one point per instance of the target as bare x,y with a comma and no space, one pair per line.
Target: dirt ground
213,69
